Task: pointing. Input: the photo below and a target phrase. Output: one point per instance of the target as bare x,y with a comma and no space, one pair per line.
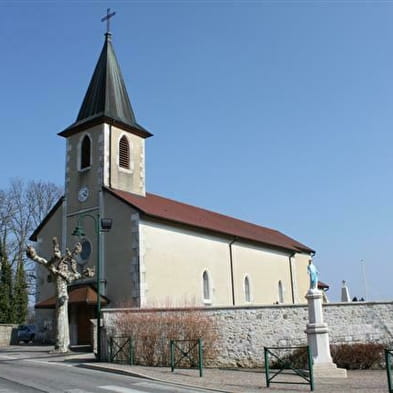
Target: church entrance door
84,313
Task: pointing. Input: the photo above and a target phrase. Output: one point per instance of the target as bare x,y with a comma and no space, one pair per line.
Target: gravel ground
251,381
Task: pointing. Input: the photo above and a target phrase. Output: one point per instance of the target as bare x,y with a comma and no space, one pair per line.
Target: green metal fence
293,361
121,350
388,359
186,351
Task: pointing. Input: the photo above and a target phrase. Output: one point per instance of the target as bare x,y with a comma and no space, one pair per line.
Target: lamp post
100,225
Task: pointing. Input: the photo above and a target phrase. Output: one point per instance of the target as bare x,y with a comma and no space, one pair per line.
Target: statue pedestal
318,339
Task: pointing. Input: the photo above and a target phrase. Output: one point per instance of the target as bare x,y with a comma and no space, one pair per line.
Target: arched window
86,251
85,153
280,292
247,289
206,287
124,153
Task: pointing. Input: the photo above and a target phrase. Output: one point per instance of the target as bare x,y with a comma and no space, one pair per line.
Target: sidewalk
251,381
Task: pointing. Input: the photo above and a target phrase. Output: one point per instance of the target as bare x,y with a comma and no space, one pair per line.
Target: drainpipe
110,156
231,264
291,273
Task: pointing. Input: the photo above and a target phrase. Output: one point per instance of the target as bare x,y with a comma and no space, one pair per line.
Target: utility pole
363,267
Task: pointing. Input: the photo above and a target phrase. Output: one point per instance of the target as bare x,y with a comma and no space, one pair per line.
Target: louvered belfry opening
124,153
85,152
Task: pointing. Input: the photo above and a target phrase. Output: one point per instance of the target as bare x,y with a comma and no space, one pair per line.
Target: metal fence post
266,356
130,351
310,364
172,355
388,369
110,349
133,351
286,364
200,356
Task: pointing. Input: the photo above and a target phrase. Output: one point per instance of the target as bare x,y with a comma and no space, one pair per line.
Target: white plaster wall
265,268
173,259
120,254
300,276
92,177
133,179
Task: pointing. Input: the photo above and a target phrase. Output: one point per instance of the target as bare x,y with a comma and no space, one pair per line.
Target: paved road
30,369
33,372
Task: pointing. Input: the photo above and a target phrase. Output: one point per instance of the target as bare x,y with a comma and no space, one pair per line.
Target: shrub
151,331
291,358
358,356
349,356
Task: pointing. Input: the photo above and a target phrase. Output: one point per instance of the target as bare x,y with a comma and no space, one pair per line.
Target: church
148,250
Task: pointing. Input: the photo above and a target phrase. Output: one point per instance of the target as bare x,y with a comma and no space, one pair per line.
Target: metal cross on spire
107,19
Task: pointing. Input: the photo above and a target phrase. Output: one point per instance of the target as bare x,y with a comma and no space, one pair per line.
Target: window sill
84,169
125,170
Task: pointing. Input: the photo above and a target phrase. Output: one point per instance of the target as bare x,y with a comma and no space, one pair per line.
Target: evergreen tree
6,307
20,297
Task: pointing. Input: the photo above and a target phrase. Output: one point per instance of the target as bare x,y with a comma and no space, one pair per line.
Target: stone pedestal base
318,339
328,370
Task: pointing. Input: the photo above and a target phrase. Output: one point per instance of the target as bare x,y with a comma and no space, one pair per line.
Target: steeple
106,98
107,94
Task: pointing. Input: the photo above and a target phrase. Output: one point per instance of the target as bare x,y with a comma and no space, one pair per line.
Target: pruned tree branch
32,254
65,271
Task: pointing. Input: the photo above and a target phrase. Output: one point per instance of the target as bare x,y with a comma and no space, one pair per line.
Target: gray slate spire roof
106,98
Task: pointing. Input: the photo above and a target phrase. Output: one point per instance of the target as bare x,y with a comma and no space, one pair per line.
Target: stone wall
244,331
7,334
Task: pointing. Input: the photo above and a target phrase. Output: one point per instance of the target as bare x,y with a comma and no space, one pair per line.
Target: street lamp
100,225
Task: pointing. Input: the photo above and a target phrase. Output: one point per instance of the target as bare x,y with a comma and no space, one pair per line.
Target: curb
131,373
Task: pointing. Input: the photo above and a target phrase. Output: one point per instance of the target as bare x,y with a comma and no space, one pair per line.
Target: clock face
83,194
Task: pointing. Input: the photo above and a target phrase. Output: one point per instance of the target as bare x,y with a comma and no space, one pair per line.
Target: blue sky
275,112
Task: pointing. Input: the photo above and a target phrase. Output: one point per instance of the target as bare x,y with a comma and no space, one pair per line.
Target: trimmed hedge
348,356
358,356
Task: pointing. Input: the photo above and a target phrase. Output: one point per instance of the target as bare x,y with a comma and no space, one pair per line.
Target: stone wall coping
12,325
356,304
245,307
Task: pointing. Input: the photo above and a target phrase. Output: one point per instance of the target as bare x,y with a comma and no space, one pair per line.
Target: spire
107,93
106,97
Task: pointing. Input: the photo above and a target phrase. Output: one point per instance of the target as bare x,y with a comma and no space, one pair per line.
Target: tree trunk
62,340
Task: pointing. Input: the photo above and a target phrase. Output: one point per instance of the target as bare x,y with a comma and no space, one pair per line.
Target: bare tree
30,202
25,205
63,269
40,197
6,210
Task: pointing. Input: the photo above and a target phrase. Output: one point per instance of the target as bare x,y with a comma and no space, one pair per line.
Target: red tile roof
167,209
83,294
322,285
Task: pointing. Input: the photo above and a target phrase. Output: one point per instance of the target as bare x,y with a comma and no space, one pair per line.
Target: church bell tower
105,145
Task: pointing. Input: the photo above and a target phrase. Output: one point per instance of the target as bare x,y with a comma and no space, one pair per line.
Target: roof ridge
154,205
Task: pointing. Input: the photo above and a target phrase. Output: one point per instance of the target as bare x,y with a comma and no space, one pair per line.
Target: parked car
26,333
